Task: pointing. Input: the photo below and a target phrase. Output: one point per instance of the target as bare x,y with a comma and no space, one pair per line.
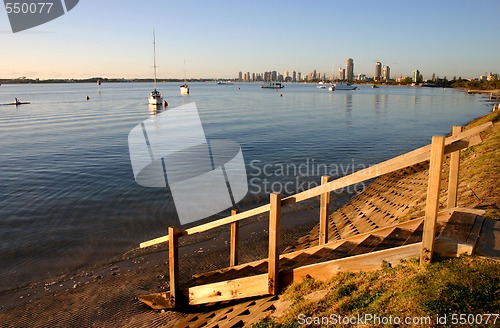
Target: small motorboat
272,85
344,86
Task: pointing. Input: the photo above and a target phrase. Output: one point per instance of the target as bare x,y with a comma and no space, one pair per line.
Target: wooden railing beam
233,252
173,265
432,202
274,243
454,172
324,208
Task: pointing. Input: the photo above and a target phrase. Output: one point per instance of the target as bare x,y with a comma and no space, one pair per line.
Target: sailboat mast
154,56
184,71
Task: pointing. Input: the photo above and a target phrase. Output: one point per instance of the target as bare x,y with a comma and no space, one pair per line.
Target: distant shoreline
94,80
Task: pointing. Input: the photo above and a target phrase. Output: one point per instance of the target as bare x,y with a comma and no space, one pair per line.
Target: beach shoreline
106,294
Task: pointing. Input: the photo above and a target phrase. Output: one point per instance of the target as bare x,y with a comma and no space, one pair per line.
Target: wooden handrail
452,144
454,172
432,201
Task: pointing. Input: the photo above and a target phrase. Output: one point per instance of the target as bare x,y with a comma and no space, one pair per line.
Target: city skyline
218,39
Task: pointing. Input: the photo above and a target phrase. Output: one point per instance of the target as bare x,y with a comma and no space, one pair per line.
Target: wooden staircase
458,230
363,235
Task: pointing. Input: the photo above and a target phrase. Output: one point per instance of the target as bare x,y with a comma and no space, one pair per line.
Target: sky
219,38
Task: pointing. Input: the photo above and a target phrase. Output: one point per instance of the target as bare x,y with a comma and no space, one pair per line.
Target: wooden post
324,208
432,202
454,172
233,252
173,264
274,243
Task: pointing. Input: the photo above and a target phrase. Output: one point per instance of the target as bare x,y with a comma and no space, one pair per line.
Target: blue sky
112,38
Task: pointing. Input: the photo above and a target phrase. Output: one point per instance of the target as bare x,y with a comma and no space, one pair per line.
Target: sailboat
184,88
332,87
155,97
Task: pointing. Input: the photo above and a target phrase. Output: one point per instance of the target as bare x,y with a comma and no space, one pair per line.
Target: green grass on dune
445,287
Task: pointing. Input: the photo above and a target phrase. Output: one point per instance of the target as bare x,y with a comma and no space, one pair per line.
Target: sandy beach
106,296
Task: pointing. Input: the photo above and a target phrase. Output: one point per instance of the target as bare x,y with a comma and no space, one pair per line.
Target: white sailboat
155,97
332,87
184,88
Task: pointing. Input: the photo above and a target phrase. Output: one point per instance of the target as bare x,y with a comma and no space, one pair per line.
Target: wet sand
106,295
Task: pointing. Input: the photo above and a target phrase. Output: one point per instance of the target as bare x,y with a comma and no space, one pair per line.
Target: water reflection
348,104
380,103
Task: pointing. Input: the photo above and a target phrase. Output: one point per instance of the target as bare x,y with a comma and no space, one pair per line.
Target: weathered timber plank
451,248
229,290
274,243
173,264
454,173
157,301
324,209
458,227
364,262
475,231
432,202
233,243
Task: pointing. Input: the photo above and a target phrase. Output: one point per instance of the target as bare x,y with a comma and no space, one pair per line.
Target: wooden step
365,246
459,227
396,238
416,235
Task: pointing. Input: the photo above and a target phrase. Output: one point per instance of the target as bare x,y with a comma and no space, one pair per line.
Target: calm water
68,198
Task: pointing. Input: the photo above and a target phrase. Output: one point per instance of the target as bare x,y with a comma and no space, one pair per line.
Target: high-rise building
274,76
386,73
416,76
350,70
299,76
378,71
341,76
240,76
294,76
314,75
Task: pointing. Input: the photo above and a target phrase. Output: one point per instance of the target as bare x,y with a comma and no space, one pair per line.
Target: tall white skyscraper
378,71
386,73
341,76
350,70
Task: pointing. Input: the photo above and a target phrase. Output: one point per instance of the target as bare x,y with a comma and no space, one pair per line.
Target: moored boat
155,97
344,86
272,85
184,89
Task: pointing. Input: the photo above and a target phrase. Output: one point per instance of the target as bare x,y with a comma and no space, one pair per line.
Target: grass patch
462,285
480,170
